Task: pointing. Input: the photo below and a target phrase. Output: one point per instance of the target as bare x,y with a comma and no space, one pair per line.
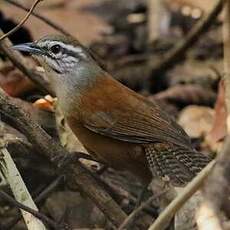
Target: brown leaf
196,120
14,82
46,103
219,129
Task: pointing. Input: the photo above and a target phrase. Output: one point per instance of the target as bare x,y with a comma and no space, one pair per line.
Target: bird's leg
63,161
141,195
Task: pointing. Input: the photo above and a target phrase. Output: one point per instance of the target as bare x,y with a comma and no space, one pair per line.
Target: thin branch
22,21
45,193
42,18
76,174
34,212
164,218
128,221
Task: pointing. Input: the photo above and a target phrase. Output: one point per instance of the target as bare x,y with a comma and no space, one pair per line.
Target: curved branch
22,21
42,18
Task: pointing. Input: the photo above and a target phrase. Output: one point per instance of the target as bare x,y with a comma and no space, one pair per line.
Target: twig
44,194
42,18
77,175
164,218
19,189
35,213
26,67
128,221
172,57
22,21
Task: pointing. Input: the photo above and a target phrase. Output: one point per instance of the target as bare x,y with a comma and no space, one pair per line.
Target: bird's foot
63,161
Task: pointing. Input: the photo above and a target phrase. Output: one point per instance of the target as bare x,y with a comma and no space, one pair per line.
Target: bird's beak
29,47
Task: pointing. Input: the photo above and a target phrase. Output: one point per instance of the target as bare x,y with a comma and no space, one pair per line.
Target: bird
116,125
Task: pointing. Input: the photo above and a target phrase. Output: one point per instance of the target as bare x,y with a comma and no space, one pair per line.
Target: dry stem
42,18
22,21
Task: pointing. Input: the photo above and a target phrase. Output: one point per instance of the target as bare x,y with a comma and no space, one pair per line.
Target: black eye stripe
54,50
71,53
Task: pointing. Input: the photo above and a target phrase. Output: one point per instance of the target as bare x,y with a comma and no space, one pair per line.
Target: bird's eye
55,49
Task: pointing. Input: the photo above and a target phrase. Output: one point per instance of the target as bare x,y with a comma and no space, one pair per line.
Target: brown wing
179,163
141,122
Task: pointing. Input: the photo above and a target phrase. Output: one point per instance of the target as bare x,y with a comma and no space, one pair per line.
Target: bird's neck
69,87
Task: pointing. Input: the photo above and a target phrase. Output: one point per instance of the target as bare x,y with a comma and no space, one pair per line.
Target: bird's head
69,67
59,53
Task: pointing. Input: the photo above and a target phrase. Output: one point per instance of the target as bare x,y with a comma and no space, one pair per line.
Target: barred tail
174,163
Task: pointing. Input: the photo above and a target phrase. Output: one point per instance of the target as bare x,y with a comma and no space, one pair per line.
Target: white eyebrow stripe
76,49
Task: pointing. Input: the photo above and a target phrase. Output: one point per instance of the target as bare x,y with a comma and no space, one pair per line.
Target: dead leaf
197,121
219,128
46,103
14,82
